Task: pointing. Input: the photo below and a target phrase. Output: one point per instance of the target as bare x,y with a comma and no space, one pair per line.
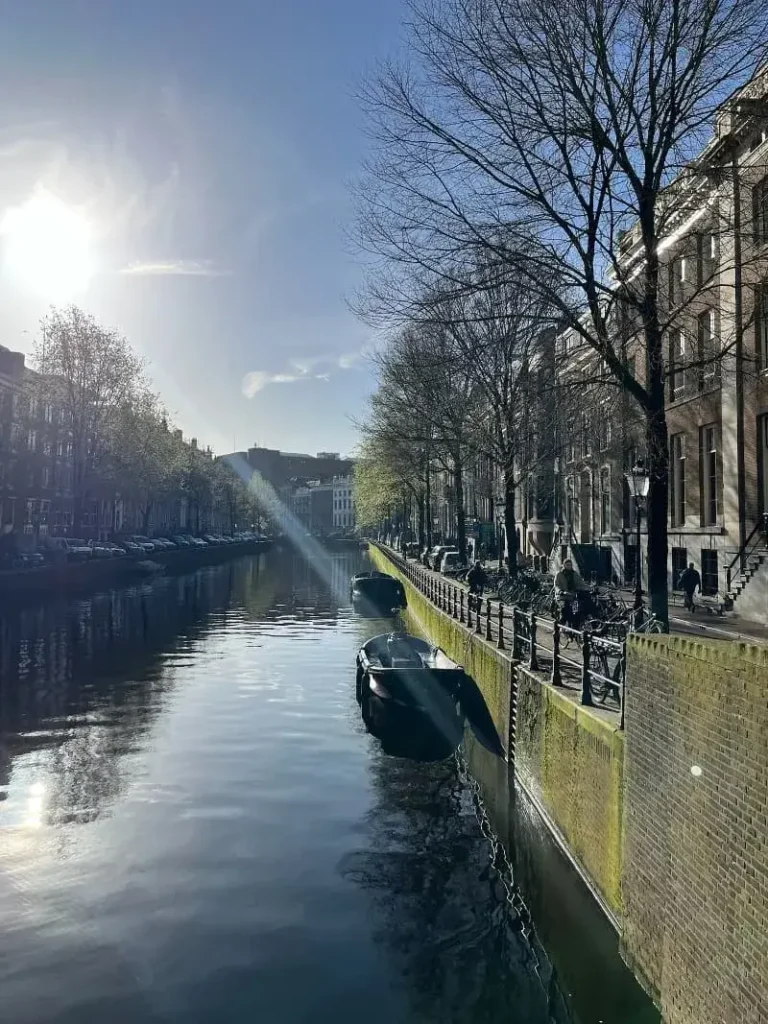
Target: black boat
403,682
376,593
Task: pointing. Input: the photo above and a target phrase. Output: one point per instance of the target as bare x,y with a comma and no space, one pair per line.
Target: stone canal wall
567,757
571,762
695,869
668,820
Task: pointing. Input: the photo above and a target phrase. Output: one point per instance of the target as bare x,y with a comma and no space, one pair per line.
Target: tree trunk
420,507
428,503
145,518
656,424
657,511
461,526
509,521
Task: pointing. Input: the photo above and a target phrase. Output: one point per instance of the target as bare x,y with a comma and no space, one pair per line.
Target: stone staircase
749,590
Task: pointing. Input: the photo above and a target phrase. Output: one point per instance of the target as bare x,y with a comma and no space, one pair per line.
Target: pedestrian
476,579
689,583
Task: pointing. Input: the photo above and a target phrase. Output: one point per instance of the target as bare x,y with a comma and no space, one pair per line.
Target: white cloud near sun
301,368
177,268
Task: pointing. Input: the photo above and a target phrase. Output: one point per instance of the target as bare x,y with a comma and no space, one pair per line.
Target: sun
47,246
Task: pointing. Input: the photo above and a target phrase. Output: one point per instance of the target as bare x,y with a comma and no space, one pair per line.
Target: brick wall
695,871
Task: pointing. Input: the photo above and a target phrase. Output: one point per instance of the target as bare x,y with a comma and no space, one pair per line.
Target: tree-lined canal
196,827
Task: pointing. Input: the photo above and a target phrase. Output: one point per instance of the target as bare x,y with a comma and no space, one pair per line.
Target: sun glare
47,247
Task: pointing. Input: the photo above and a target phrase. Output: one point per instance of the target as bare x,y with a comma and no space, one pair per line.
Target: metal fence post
455,602
469,611
478,614
461,606
514,632
586,687
557,679
488,618
444,596
500,644
533,661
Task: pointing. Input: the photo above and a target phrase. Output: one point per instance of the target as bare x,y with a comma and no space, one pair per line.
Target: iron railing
571,658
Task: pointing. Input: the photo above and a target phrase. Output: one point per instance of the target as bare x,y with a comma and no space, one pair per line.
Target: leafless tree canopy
533,136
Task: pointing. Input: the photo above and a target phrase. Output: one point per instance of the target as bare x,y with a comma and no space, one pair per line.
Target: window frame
677,480
709,477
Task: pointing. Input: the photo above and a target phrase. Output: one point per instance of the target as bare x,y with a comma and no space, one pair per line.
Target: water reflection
443,914
196,826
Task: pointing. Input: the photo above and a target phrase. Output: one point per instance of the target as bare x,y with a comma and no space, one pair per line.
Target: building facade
344,503
714,269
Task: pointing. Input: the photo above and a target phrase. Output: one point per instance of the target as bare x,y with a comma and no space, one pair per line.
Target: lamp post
639,482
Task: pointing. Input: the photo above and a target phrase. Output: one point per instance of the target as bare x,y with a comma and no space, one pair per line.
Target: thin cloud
349,360
299,368
174,268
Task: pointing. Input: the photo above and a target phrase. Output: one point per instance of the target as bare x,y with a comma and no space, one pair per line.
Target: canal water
195,826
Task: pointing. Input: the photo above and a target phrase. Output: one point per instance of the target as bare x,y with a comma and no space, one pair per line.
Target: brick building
35,454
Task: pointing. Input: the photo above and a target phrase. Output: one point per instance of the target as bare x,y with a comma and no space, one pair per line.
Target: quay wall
568,758
668,820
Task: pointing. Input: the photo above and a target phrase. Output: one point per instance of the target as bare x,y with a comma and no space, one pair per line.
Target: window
760,211
708,471
677,479
46,476
708,346
709,573
60,449
48,413
33,407
586,446
707,246
761,325
605,500
679,273
677,365
762,466
32,440
679,564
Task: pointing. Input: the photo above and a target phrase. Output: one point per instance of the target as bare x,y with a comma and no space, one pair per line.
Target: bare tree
427,392
503,334
536,135
93,373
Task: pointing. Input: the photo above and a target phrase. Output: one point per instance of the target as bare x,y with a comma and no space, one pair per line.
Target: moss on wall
566,756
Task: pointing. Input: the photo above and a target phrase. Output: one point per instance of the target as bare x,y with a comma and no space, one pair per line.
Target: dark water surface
194,826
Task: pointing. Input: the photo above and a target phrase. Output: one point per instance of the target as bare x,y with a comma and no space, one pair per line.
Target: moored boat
404,681
376,593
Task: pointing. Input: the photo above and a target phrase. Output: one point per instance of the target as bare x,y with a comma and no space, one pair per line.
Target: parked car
436,554
211,538
71,548
182,541
163,543
100,549
130,547
451,561
21,560
198,542
144,543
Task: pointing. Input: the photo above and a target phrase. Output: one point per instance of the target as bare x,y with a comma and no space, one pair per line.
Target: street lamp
639,482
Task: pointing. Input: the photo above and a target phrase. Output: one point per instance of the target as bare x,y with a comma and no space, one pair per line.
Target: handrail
589,667
743,553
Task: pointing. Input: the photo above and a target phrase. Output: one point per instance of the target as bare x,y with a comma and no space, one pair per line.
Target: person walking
689,582
476,579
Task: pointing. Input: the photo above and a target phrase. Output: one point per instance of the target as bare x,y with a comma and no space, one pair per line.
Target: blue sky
210,148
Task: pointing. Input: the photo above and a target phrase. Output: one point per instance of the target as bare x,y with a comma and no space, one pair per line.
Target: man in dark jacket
476,579
689,582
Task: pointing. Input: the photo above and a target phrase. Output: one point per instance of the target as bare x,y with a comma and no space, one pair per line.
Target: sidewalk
703,623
